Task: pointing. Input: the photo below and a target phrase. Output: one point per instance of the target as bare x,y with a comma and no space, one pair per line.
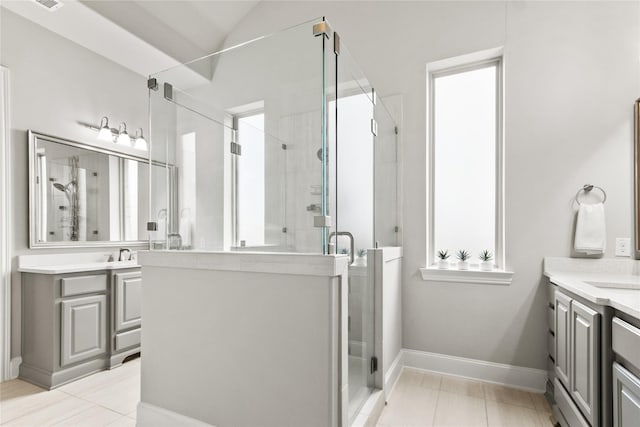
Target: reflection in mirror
636,115
84,195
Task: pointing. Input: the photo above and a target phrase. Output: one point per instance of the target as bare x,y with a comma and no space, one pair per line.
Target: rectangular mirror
83,195
636,149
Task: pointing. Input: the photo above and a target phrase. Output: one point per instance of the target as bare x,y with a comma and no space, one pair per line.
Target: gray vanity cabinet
83,328
128,300
75,324
126,322
577,361
626,398
626,372
64,326
562,313
584,369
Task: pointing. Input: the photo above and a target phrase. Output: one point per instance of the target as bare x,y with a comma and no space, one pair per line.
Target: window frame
235,118
465,63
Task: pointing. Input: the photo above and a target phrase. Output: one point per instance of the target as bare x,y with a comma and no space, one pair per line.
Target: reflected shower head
60,187
63,188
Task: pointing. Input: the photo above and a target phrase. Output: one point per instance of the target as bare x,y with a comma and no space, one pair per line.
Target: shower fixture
63,188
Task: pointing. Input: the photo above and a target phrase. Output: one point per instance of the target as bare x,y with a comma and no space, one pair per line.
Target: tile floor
108,398
429,399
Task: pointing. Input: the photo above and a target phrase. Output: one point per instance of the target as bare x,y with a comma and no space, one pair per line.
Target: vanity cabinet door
562,307
84,328
626,398
128,300
584,367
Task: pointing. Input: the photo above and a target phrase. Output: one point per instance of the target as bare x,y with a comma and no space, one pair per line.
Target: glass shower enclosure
278,144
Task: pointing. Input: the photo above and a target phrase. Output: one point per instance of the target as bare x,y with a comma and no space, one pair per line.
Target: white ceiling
145,36
185,29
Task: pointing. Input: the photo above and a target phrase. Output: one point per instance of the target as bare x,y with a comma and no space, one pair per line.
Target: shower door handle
351,241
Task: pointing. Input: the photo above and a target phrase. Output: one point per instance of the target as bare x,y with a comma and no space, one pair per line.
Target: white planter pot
486,265
360,261
443,264
463,265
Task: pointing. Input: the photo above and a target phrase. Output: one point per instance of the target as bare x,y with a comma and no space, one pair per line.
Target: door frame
5,227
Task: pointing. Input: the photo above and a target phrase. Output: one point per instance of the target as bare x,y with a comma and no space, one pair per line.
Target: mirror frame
33,243
636,176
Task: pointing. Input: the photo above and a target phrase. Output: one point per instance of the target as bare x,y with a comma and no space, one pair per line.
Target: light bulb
123,136
140,142
105,131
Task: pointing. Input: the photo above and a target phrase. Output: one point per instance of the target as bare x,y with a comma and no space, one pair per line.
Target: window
250,184
465,103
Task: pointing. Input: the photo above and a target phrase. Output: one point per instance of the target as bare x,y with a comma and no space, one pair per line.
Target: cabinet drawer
83,285
569,410
625,341
127,339
551,319
626,397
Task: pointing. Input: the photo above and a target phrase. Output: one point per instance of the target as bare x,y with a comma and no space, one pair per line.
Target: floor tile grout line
486,410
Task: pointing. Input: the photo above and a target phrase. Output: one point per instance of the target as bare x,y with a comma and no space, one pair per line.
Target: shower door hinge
374,127
152,84
322,221
168,91
336,43
374,96
236,149
374,364
321,29
395,130
152,226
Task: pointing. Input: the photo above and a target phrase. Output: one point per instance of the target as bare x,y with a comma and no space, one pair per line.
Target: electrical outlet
623,246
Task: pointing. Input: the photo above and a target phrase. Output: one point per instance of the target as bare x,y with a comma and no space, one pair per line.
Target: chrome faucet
125,254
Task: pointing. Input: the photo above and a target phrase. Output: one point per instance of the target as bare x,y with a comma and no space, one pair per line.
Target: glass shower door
351,131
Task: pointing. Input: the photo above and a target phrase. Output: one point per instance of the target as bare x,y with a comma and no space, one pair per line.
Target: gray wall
572,74
53,84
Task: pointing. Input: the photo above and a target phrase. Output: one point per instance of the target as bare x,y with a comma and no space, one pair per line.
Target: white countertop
257,262
624,300
78,268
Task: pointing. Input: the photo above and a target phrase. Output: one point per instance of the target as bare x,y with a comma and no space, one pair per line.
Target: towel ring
587,188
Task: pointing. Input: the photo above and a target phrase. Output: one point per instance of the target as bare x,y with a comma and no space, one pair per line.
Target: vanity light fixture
123,136
119,136
140,143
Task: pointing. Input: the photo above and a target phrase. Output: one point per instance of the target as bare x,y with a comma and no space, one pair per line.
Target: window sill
494,277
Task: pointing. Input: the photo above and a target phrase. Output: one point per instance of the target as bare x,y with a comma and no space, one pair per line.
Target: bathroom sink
614,285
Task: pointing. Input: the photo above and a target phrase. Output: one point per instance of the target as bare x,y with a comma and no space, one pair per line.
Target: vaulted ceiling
184,29
145,36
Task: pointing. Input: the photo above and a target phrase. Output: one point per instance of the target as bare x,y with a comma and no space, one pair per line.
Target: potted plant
463,259
361,258
486,260
443,259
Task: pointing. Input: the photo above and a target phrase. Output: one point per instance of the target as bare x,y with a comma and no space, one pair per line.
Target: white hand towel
591,235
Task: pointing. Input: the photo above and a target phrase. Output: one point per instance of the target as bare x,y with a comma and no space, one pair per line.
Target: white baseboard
151,416
392,374
513,376
15,367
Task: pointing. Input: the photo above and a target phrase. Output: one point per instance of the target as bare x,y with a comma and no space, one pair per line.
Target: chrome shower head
60,187
63,188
